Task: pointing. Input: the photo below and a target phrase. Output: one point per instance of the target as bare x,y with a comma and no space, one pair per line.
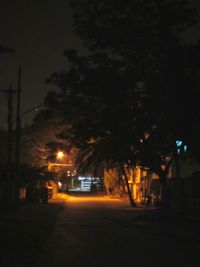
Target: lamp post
19,116
36,108
18,136
7,194
62,162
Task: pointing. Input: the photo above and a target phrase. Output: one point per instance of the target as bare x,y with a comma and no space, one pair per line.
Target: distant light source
59,184
179,143
60,155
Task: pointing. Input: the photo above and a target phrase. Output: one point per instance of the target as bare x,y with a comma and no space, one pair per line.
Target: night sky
39,31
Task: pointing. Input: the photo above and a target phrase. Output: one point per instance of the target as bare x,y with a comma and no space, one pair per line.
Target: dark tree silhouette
127,100
5,50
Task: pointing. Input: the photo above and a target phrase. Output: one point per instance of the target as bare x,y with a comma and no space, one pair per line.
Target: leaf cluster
137,89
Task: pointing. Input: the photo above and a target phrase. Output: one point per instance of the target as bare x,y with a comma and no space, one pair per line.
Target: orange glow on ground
69,198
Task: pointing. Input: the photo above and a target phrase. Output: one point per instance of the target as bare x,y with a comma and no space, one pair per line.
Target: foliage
5,50
113,181
126,99
40,140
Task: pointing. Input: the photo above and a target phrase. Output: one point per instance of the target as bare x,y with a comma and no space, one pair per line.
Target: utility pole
10,130
18,134
9,92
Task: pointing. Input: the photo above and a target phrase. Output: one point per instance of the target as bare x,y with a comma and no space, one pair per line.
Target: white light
179,143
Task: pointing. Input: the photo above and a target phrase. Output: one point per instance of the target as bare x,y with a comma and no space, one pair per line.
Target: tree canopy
4,49
136,91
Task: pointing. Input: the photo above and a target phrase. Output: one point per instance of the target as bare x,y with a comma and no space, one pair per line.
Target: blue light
179,143
185,148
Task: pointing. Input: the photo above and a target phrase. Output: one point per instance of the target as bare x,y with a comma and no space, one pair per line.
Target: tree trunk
122,185
181,196
177,167
165,192
107,190
132,202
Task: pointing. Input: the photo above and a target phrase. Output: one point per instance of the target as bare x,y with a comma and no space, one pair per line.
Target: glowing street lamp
59,155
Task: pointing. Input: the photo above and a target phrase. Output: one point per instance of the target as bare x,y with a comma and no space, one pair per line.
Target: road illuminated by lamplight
98,231
90,199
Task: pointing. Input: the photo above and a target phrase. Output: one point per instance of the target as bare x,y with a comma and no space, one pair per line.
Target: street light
36,108
59,155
